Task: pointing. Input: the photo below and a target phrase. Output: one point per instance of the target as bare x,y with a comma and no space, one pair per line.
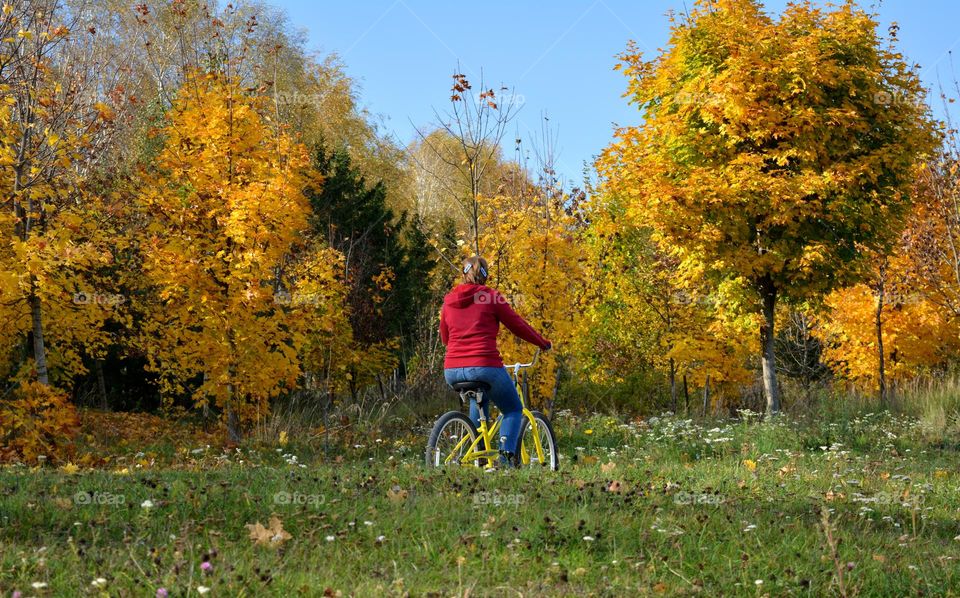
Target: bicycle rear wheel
548,442
451,438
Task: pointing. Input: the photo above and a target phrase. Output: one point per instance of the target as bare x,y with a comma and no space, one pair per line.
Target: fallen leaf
397,494
268,536
607,467
615,486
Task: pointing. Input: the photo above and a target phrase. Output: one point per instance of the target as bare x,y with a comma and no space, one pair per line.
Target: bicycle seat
472,385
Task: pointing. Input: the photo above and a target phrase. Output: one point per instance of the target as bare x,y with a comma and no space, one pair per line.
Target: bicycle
472,445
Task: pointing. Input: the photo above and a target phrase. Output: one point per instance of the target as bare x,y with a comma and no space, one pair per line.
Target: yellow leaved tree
773,152
238,289
535,261
641,313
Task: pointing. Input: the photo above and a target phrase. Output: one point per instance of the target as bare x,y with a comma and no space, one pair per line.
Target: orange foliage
39,422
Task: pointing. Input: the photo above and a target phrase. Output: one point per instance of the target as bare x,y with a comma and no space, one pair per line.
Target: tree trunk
686,396
706,395
673,386
880,356
767,335
39,351
233,422
101,383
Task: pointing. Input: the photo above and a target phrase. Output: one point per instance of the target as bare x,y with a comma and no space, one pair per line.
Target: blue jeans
503,394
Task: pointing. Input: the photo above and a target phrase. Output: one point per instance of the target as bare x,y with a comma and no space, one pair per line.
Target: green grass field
663,506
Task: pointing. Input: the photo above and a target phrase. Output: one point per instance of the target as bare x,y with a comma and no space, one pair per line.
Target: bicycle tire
546,434
432,457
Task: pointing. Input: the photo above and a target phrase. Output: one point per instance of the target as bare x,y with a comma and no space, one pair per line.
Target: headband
483,271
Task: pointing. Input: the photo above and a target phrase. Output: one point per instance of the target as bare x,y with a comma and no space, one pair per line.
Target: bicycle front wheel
547,456
451,438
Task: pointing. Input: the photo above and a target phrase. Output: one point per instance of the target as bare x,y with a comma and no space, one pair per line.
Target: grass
664,506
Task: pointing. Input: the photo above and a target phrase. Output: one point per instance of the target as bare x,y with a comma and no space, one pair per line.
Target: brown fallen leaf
616,487
588,459
607,467
268,536
397,494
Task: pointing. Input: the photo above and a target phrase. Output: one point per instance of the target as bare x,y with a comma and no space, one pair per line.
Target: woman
469,321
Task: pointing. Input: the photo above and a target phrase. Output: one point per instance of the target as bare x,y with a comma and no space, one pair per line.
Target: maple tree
883,329
227,210
641,315
535,261
774,153
57,116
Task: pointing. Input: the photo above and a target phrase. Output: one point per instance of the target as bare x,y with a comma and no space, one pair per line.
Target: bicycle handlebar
517,366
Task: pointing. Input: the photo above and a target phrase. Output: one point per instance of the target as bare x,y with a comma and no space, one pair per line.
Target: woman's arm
516,324
444,331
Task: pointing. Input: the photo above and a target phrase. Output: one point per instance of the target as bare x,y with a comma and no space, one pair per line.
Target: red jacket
469,322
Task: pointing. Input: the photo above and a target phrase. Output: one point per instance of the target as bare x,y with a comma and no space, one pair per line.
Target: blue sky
557,55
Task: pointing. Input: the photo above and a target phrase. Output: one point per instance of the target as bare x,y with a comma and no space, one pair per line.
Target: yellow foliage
536,263
916,332
239,289
39,421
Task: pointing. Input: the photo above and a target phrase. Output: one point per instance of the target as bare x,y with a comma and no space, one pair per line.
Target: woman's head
475,270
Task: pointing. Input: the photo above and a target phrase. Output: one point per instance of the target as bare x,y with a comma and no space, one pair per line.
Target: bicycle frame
487,431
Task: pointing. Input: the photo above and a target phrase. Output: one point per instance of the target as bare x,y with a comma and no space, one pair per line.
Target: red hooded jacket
469,322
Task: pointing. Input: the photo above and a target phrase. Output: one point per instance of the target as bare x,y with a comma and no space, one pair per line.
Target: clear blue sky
558,56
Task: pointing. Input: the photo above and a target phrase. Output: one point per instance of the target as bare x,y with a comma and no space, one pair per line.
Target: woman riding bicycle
471,316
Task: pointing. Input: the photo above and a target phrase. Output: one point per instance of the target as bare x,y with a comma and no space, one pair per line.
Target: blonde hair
475,270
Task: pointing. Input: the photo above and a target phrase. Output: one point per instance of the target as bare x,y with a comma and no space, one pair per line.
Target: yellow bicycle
456,440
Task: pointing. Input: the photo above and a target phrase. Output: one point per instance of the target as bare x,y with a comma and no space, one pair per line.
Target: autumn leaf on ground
607,467
750,464
588,459
397,494
616,487
268,536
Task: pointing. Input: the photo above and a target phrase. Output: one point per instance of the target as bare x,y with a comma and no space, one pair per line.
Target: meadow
865,504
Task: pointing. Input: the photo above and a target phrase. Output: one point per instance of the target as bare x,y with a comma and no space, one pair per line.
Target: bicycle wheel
453,434
548,441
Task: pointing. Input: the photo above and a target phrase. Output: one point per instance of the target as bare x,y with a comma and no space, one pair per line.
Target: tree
884,330
58,117
639,315
535,263
386,264
774,154
477,122
227,212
